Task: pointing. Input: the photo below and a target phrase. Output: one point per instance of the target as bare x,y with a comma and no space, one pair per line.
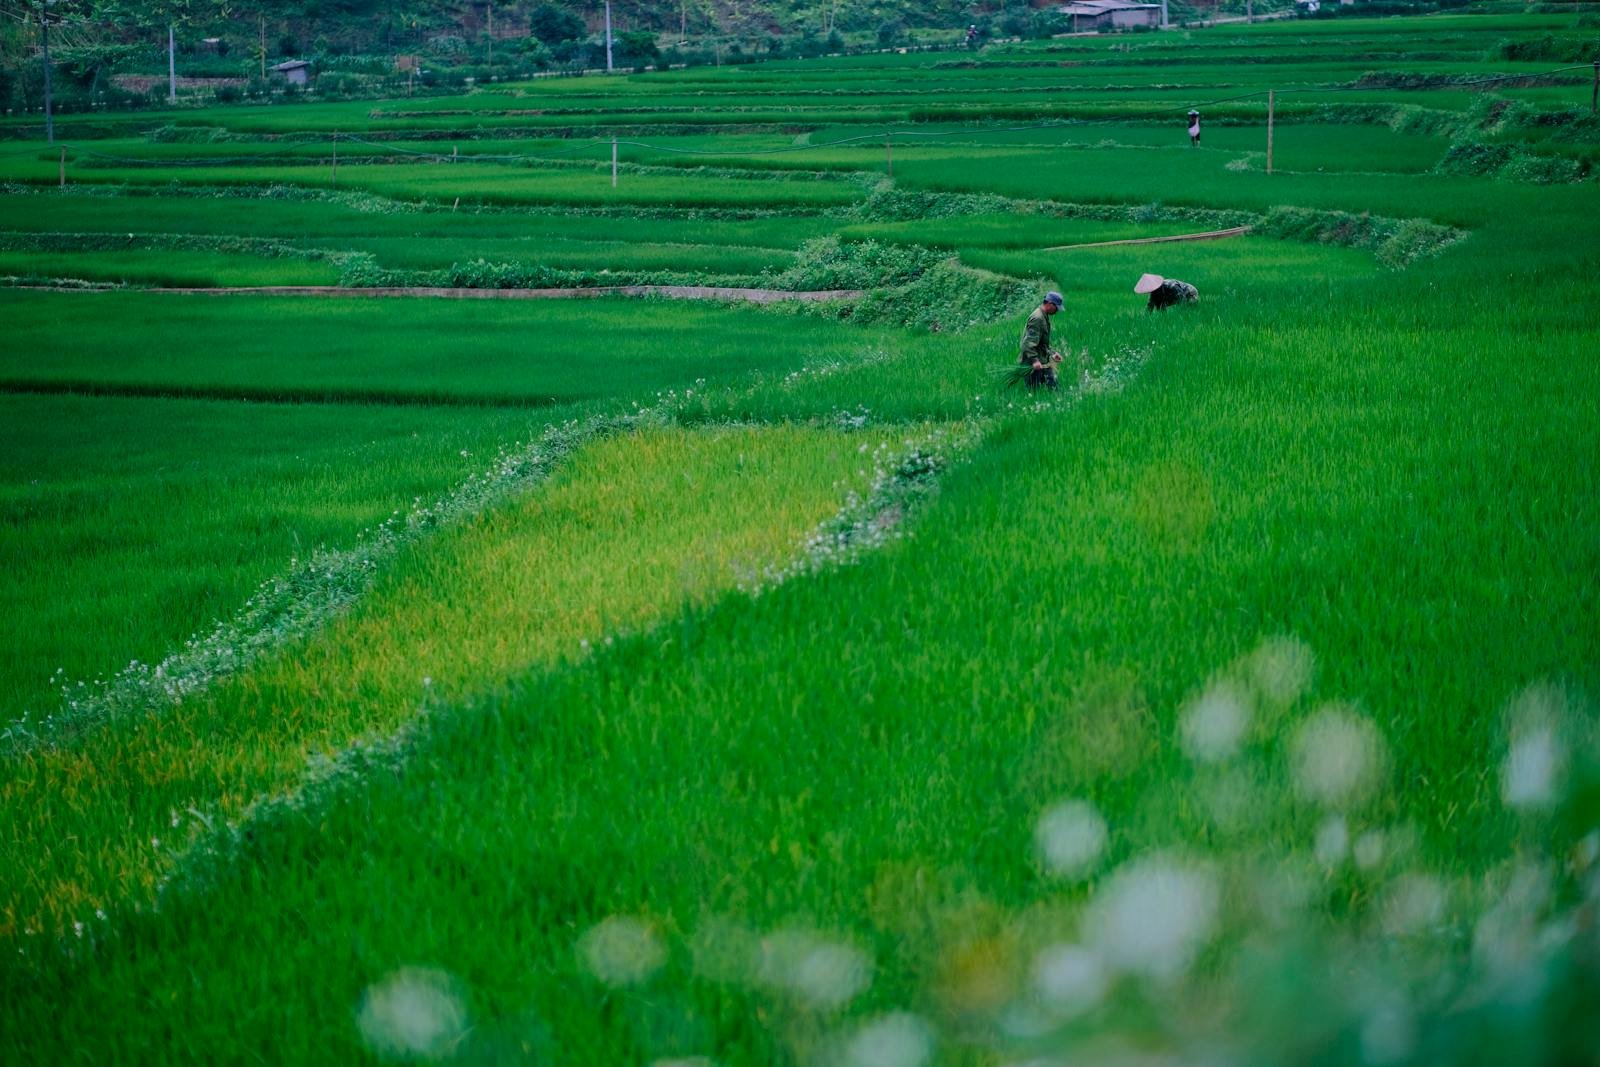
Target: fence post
335,157
63,168
613,162
1271,101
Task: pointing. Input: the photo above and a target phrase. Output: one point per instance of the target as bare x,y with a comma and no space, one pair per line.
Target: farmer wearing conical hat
1036,351
1165,292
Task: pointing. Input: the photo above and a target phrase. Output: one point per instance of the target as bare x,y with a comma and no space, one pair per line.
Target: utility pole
488,15
1249,10
261,42
608,36
172,64
1163,14
44,36
1271,101
1594,97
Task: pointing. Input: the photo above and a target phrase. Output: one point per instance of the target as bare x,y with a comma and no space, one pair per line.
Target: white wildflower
1415,904
896,1040
1069,978
822,974
1333,841
1388,1033
1338,756
1070,837
1214,724
1369,849
621,951
1153,915
416,1012
1281,668
1531,777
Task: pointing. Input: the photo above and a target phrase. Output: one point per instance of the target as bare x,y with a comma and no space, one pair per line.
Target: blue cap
1053,297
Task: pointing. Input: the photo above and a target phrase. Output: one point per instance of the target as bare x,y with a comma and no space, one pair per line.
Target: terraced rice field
630,681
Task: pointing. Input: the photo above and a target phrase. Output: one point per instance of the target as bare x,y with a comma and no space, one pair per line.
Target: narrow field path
673,292
1208,235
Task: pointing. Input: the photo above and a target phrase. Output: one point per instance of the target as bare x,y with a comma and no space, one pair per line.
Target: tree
552,24
259,11
171,14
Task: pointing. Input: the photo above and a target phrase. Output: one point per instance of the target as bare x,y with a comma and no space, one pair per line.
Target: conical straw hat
1148,283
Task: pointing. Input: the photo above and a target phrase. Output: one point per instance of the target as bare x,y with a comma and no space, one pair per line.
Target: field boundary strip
671,292
1208,235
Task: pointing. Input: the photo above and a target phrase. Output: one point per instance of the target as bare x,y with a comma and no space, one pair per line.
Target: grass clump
1396,242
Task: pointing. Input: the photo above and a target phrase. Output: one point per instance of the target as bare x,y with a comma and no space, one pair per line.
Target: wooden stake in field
336,157
613,162
63,168
1271,99
888,154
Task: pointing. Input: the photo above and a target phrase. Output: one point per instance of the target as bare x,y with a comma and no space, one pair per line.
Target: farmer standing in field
1036,351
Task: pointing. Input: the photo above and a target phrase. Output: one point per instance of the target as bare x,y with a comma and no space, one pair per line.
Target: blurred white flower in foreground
1415,905
1281,668
1389,1032
1369,849
1070,837
822,974
1338,756
897,1040
1069,978
621,951
1333,841
1536,763
1214,724
1153,915
414,1013
1530,780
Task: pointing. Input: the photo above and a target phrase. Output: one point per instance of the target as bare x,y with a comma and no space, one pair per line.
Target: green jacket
1036,339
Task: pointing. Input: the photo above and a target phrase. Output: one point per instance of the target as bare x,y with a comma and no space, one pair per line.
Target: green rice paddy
614,681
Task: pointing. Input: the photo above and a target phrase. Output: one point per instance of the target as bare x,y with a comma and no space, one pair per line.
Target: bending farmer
1036,351
1165,292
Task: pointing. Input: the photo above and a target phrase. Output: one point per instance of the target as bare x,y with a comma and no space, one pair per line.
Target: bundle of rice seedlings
1014,375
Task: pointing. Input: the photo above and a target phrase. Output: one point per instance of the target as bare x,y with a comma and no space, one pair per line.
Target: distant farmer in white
1165,292
1194,127
1036,353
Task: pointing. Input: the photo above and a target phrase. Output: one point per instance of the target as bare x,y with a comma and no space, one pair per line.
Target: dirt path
673,292
1209,235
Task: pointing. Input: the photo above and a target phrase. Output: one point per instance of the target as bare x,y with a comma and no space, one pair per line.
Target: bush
551,25
890,32
829,263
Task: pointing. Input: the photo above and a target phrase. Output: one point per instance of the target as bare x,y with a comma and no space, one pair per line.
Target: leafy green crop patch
634,527
406,350
205,499
164,268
